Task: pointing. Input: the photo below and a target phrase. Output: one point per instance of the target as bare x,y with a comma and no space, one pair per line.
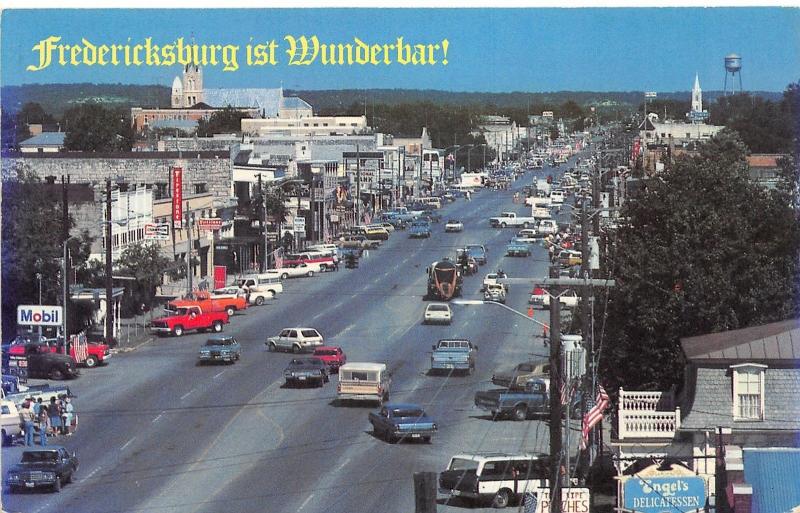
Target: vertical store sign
177,196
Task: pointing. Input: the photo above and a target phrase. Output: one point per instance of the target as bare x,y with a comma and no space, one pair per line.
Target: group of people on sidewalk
47,419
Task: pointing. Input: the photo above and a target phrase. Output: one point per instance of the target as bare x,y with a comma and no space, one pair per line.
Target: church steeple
697,95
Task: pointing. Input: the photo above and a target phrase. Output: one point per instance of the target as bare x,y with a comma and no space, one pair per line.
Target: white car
305,269
228,293
568,299
437,313
454,225
528,235
295,340
491,279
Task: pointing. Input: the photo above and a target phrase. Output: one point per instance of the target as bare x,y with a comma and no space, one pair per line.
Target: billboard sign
177,196
299,224
660,494
39,315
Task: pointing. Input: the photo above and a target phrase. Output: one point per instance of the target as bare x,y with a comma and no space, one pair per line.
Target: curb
129,349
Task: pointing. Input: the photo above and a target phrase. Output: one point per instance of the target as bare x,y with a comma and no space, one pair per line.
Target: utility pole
109,270
64,239
262,218
189,250
555,395
358,185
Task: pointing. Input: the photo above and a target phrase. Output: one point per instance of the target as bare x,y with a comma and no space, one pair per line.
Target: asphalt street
159,434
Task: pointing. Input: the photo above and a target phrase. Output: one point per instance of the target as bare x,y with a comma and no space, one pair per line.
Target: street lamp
64,270
501,305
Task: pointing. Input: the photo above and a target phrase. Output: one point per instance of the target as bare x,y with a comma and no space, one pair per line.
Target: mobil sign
39,315
679,494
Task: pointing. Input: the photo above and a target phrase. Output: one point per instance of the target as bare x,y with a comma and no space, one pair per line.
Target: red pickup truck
188,318
212,303
89,354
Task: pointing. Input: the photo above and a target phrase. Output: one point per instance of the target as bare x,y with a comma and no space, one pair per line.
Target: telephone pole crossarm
559,282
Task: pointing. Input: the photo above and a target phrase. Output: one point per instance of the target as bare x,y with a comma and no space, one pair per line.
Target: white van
435,202
359,381
261,287
557,197
9,421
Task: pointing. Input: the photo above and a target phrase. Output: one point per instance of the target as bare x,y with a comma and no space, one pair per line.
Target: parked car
220,349
361,381
453,354
295,340
499,478
261,287
237,294
521,403
9,421
49,466
437,313
518,376
306,370
42,362
569,257
529,235
397,421
303,269
333,357
453,225
207,302
537,296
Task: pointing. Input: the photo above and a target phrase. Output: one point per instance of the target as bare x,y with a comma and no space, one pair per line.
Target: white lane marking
341,466
93,472
158,416
187,394
305,502
218,374
127,444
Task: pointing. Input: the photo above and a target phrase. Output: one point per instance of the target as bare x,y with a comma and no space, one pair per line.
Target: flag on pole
568,390
529,501
595,415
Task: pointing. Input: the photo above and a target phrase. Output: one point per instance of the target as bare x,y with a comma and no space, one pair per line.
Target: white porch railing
638,417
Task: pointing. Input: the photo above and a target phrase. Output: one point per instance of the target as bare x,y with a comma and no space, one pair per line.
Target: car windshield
408,413
438,308
38,456
463,464
219,342
296,362
452,221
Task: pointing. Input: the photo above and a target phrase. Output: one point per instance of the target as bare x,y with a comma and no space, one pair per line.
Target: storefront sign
39,315
573,500
660,494
153,231
209,223
299,224
177,196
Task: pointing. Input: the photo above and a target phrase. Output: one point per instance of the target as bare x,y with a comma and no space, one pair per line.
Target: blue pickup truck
420,230
533,399
451,355
396,421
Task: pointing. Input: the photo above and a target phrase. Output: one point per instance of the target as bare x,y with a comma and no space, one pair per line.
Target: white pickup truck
512,219
537,202
547,227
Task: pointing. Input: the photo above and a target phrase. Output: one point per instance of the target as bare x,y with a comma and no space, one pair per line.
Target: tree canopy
227,120
144,261
704,249
91,127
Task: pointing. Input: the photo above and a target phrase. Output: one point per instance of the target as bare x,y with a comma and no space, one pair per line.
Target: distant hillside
56,98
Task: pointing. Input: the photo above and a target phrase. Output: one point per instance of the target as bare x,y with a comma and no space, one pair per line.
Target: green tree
31,244
92,127
227,120
30,114
703,249
144,261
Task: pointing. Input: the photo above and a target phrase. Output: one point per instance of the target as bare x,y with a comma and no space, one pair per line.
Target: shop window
200,188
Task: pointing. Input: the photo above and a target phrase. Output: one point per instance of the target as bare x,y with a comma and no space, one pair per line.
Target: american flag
568,390
79,347
278,258
595,415
529,501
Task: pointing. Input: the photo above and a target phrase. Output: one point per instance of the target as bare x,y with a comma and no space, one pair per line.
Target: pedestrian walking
68,416
37,406
27,418
43,426
54,413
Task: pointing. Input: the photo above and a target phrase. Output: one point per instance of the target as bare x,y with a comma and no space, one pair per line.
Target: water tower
733,67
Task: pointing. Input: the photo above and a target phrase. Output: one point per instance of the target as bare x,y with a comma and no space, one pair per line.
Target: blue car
400,421
518,248
420,230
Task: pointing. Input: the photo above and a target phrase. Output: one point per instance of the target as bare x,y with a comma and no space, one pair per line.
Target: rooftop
768,342
45,139
764,159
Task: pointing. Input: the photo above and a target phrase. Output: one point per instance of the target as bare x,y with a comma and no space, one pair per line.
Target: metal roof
294,102
768,342
363,366
266,100
45,139
773,475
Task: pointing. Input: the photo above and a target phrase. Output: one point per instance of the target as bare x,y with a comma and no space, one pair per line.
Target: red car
333,356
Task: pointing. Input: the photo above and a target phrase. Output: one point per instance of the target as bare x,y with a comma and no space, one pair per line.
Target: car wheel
55,373
520,412
230,311
259,300
327,378
91,361
177,330
501,498
57,484
217,326
295,349
503,225
272,294
310,274
271,347
284,276
426,439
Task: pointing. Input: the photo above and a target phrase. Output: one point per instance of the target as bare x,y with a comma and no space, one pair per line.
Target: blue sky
490,49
